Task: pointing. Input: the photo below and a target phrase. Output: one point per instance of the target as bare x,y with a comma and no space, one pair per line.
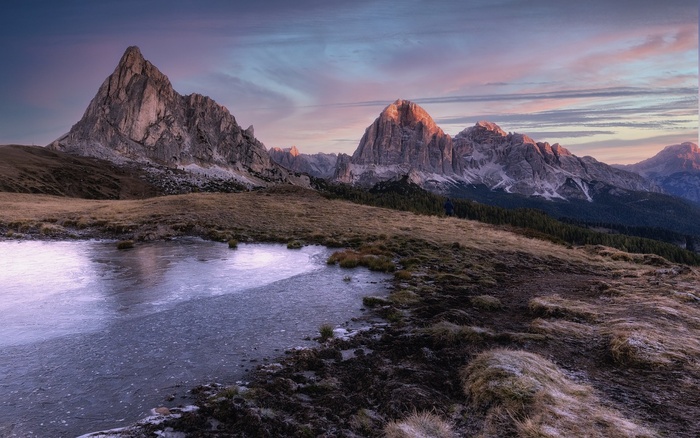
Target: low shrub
394,315
229,392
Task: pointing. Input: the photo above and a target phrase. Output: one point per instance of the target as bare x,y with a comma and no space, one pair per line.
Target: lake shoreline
153,323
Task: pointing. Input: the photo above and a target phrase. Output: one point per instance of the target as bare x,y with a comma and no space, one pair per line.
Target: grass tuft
419,425
403,275
525,392
556,306
350,259
326,332
486,302
651,345
294,244
447,333
404,297
375,301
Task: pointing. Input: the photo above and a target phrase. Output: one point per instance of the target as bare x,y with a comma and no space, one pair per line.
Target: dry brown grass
419,425
652,320
280,213
656,341
448,333
527,394
555,305
561,328
486,302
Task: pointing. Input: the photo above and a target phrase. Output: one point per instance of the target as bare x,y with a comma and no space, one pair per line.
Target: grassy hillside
489,332
35,169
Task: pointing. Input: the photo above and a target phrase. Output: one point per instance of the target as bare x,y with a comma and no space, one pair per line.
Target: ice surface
92,338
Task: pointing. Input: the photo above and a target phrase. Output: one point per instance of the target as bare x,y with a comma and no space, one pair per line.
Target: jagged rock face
676,169
402,138
518,164
319,165
137,116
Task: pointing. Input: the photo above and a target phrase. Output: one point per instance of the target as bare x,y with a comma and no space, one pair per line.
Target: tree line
407,196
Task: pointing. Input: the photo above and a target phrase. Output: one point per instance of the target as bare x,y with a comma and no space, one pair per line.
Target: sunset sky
615,79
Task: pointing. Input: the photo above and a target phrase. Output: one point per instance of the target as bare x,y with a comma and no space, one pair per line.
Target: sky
617,80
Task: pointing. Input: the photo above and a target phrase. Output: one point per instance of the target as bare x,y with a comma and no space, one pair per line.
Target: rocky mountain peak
686,153
136,115
483,125
132,59
403,137
482,132
408,114
319,165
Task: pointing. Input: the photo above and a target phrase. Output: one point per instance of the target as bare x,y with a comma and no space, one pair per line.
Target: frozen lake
92,338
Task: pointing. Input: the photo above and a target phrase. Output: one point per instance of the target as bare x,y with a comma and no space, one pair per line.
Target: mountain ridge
404,140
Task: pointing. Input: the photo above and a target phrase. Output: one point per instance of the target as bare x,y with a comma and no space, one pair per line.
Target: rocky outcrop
137,116
676,169
319,165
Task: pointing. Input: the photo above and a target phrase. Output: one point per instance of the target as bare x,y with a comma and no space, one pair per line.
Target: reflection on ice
93,337
46,289
51,289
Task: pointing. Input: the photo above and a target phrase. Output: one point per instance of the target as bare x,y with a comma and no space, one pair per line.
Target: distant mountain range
676,169
319,165
138,118
404,140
